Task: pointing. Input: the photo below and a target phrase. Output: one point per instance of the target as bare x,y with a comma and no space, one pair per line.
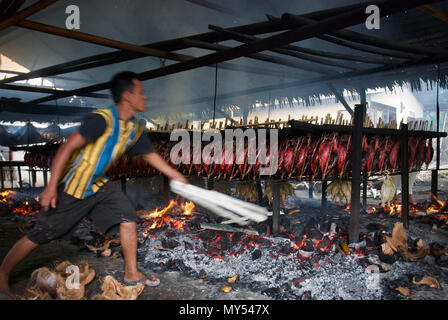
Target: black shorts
107,208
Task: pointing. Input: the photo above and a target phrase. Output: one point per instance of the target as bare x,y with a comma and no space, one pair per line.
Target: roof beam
439,14
283,50
173,45
245,37
50,91
340,21
25,13
262,57
362,38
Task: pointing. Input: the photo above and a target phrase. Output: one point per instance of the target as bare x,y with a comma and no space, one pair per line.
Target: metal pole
364,191
20,177
324,194
276,206
404,175
166,190
356,174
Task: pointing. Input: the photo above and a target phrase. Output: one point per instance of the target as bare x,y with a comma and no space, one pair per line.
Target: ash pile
308,259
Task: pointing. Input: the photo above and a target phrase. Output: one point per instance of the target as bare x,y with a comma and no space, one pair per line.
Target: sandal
152,277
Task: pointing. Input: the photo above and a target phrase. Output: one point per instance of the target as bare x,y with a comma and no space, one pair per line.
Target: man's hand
49,197
181,178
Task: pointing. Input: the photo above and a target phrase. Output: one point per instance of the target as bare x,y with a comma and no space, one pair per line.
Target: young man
78,186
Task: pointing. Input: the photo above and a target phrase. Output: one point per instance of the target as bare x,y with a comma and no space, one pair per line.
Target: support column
364,191
166,190
356,174
324,194
276,207
20,177
404,175
434,182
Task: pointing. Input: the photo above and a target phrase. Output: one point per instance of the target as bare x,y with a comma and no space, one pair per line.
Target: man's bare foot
151,281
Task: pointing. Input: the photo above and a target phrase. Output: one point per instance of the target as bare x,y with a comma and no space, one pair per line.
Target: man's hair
121,82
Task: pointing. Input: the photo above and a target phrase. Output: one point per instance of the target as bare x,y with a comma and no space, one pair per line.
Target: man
78,186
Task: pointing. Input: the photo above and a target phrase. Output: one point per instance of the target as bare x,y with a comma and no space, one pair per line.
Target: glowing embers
7,196
25,208
173,216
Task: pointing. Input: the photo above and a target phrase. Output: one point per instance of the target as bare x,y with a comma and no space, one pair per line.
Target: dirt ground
173,286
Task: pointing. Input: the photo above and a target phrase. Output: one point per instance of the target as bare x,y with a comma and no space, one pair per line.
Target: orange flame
158,216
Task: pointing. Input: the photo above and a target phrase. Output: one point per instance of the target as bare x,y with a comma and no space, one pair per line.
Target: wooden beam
355,204
175,44
439,14
363,38
25,13
242,36
263,57
50,91
340,98
343,20
284,51
85,37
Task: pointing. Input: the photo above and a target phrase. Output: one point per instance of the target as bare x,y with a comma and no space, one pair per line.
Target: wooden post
434,182
45,175
404,175
324,194
276,207
356,174
259,190
11,176
310,190
166,190
20,177
2,177
364,192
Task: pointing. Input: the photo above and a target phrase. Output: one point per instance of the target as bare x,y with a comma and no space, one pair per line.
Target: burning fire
158,217
25,208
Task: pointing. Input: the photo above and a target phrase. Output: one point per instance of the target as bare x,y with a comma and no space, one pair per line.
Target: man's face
136,97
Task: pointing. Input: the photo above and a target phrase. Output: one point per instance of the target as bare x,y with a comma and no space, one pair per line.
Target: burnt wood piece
2,177
355,205
169,45
339,21
404,176
276,207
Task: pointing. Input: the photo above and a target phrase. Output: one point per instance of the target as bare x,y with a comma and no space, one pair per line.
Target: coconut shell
44,280
113,290
429,281
404,291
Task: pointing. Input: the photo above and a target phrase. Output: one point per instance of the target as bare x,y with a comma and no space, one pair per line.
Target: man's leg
128,239
17,253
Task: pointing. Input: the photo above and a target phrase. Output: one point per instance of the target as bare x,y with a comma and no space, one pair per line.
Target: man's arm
49,195
156,161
